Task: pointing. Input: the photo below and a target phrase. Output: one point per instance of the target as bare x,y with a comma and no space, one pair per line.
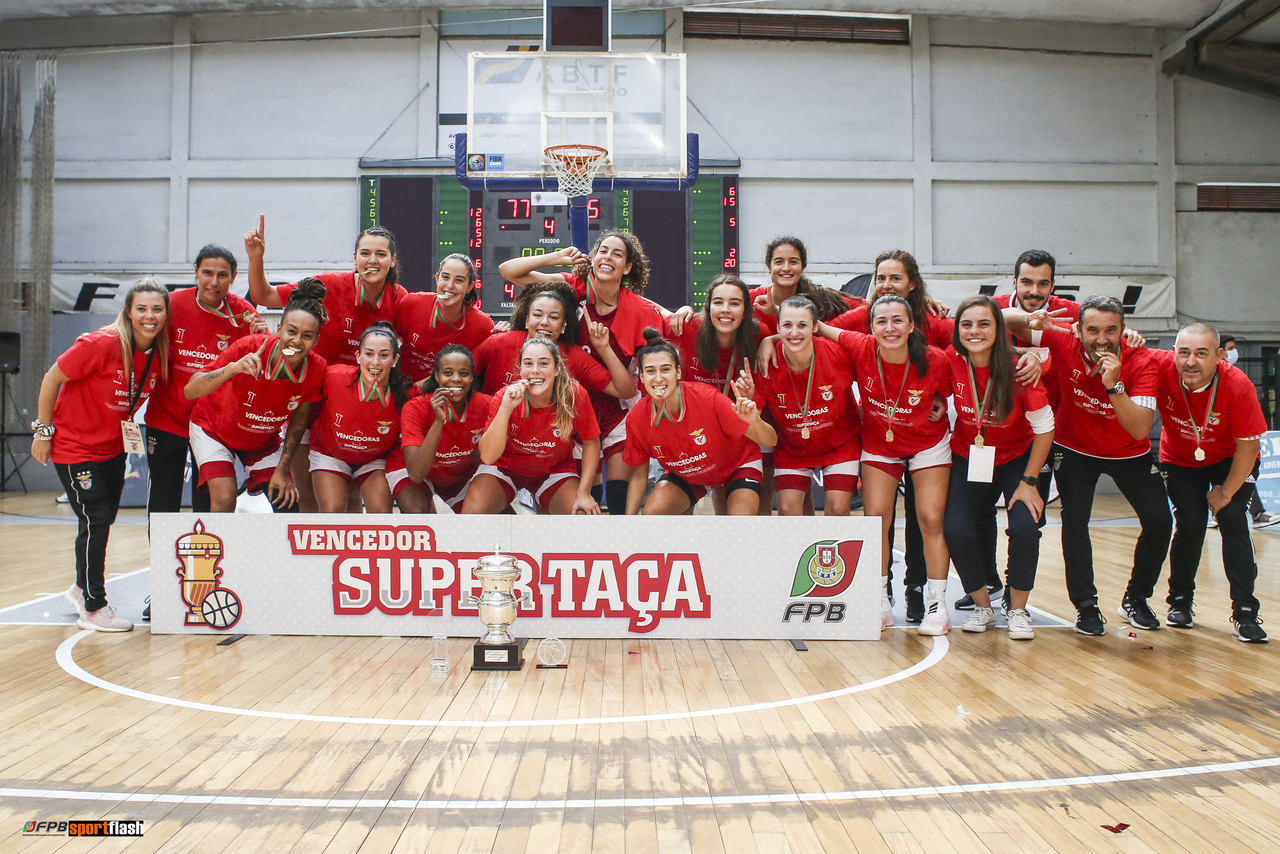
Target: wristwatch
1029,480
1118,388
40,430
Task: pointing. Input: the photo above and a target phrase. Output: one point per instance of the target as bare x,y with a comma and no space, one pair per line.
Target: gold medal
888,435
978,440
1199,455
804,433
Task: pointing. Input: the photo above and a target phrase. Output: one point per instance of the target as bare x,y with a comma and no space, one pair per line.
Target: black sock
616,495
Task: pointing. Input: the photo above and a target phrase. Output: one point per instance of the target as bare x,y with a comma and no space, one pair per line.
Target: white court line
66,660
45,597
676,800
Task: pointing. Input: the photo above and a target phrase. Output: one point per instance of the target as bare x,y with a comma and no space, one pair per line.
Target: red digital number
549,226
731,199
733,222
593,208
509,289
515,208
731,261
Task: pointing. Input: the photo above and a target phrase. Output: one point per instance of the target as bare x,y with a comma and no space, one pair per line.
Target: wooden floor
997,746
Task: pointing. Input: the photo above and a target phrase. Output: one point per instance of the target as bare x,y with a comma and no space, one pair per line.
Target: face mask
1233,356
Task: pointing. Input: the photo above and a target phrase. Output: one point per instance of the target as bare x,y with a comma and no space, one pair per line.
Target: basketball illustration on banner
208,602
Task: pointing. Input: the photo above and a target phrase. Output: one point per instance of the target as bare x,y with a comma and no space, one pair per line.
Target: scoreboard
690,238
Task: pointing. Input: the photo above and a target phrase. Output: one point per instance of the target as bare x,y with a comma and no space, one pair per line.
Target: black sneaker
146,612
1247,627
966,603
888,590
1138,613
1180,614
1089,619
915,604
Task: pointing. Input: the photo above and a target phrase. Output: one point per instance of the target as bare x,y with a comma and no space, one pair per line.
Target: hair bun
651,335
309,288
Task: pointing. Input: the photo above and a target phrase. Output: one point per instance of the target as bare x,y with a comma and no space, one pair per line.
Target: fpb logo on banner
824,571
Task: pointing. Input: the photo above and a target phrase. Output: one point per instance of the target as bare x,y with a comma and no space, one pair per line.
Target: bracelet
40,430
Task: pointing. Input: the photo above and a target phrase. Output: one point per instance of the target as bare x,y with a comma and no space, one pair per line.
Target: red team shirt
704,446
691,368
913,432
197,336
347,427
1236,414
1010,437
832,418
1085,421
422,341
340,337
533,449
96,381
1049,376
246,413
497,360
456,457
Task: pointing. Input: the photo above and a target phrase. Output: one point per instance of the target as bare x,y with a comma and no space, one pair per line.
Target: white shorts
938,455
541,488
214,459
324,462
838,476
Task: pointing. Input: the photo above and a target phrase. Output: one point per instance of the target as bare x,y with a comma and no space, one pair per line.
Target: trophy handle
471,601
526,601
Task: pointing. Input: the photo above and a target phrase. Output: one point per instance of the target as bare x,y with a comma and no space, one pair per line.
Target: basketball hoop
575,166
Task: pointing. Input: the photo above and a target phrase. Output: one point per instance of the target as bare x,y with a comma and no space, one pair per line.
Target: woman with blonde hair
84,423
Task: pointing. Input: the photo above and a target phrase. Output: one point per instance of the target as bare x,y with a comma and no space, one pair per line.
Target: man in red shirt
1212,427
1102,424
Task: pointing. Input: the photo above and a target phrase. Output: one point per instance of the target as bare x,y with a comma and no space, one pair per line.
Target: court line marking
66,660
58,595
677,800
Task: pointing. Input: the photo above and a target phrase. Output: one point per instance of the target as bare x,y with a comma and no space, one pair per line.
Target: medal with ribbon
1208,413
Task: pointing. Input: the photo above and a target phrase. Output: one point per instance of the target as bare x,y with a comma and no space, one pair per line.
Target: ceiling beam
1229,21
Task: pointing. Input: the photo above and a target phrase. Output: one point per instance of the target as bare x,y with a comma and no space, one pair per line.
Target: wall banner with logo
1269,471
606,577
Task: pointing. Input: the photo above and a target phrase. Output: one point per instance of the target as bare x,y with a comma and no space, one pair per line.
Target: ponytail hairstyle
917,347
744,337
308,296
917,295
563,397
1000,379
654,344
397,381
123,326
639,275
431,383
393,275
828,302
473,296
556,290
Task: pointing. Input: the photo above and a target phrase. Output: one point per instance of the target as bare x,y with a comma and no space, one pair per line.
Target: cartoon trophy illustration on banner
208,602
497,649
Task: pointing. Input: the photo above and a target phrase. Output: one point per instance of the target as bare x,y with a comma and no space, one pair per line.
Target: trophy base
504,656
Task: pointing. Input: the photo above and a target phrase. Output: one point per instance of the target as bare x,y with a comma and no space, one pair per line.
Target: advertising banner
585,577
1269,471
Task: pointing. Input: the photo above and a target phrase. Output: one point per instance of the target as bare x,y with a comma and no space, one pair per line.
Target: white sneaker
886,612
104,620
937,620
980,620
75,596
1020,625
1265,519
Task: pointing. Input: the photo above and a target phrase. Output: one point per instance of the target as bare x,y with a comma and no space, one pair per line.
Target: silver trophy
497,649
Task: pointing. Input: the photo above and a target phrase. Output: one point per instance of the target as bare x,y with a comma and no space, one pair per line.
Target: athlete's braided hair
557,291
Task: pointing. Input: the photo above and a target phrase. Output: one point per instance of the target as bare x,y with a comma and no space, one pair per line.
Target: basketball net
575,166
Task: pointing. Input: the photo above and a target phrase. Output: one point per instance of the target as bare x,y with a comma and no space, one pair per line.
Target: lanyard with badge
129,428
982,457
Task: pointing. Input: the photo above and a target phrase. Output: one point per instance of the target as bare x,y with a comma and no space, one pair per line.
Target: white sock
937,590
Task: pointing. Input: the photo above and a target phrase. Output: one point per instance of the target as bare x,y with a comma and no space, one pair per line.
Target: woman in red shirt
1003,434
528,442
900,377
354,299
84,423
357,423
786,257
428,322
700,439
609,281
548,311
810,395
439,434
257,385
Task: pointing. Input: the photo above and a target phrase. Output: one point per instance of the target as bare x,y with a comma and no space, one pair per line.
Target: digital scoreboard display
690,238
